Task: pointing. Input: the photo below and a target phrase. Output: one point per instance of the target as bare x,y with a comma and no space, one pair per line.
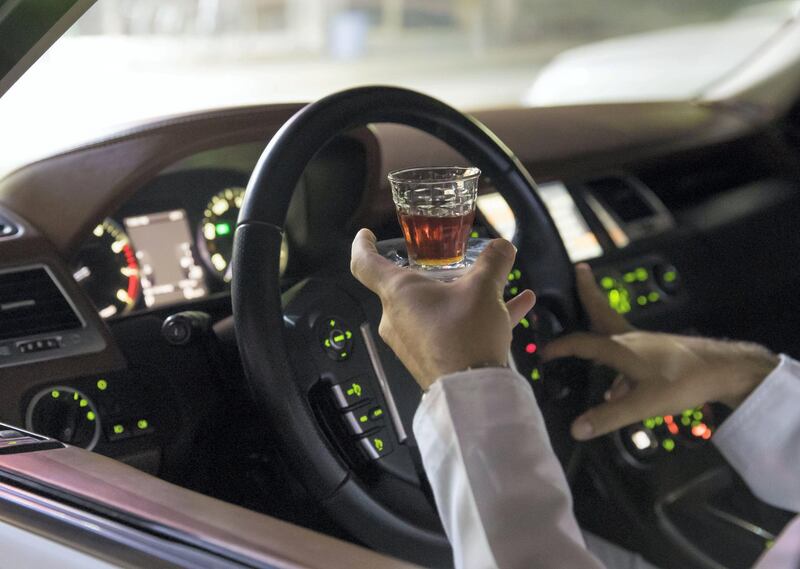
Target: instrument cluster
172,243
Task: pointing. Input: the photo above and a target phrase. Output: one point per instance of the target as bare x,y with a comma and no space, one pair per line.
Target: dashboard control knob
181,328
65,414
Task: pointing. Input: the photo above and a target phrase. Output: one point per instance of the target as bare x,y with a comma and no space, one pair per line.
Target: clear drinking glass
436,209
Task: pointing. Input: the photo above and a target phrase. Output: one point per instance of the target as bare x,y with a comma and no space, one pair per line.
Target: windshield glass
128,60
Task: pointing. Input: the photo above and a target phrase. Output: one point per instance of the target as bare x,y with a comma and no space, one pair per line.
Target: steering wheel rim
256,293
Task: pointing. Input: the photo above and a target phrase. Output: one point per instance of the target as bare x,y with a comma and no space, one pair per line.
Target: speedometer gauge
107,269
217,229
219,222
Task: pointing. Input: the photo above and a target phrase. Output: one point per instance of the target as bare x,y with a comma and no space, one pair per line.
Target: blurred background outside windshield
128,60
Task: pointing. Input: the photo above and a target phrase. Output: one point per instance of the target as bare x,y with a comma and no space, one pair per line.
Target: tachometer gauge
107,269
217,229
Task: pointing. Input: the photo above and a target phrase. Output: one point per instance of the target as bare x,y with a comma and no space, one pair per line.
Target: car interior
175,298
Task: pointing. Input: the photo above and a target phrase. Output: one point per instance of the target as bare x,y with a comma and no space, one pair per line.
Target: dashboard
171,243
678,210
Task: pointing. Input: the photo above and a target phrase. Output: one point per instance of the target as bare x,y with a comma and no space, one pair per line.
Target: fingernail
502,246
582,429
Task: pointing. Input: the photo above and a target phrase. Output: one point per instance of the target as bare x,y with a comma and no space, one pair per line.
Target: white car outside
669,64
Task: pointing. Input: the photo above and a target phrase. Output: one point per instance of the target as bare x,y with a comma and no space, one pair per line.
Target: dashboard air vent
32,303
628,209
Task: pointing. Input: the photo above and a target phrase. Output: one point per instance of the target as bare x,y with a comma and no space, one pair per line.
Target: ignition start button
336,338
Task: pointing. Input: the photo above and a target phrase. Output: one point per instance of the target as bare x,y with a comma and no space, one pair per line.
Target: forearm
761,439
500,491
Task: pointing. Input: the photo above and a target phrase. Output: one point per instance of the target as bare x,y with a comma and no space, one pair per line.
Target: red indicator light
668,419
673,428
699,430
531,348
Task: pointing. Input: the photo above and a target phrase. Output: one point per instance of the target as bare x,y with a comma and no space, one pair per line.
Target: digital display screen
580,242
168,269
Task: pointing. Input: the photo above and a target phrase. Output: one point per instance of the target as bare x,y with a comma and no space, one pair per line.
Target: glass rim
465,174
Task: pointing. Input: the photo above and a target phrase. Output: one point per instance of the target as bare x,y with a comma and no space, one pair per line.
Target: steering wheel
337,399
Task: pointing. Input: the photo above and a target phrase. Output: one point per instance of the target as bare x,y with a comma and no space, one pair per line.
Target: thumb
603,319
644,400
367,265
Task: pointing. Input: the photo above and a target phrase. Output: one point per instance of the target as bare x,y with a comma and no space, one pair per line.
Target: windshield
129,60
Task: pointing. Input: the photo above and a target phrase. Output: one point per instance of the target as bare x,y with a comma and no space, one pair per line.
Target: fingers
644,401
603,319
600,349
367,265
520,305
494,264
619,388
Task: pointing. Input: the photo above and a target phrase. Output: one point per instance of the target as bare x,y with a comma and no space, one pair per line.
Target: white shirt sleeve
761,439
500,491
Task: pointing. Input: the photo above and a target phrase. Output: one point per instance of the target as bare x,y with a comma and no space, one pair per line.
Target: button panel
532,332
361,416
119,430
38,345
639,286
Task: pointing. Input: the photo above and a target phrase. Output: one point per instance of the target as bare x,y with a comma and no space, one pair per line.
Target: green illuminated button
668,444
607,283
102,384
223,228
336,338
377,444
536,375
118,429
619,299
525,323
473,234
363,420
351,393
142,424
641,274
667,278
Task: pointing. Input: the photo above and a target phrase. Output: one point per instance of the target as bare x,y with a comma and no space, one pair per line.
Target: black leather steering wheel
292,346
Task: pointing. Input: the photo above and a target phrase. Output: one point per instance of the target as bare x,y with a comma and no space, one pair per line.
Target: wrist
492,364
751,370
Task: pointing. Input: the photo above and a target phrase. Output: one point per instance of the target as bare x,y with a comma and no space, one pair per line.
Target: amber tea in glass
436,209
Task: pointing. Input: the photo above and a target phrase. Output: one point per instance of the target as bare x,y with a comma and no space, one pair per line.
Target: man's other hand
659,374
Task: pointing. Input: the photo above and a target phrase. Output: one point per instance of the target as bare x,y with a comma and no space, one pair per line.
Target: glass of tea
436,209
